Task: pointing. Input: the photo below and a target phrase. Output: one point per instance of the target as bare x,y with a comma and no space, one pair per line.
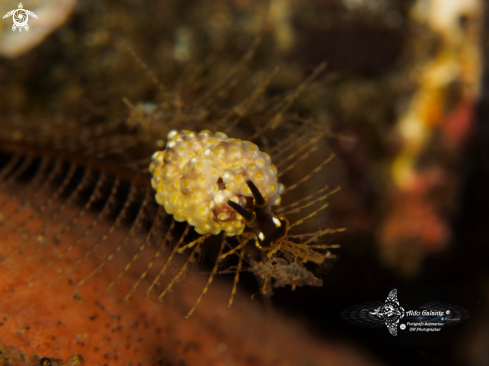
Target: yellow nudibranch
207,178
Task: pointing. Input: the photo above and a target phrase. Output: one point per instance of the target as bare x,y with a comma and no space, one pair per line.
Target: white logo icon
448,311
20,17
402,326
390,312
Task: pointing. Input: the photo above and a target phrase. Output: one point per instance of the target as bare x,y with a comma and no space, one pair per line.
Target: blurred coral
432,131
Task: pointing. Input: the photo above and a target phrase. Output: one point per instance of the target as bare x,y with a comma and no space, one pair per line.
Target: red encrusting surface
44,314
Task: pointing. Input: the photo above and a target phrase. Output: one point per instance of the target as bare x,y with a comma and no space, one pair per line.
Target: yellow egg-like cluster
199,172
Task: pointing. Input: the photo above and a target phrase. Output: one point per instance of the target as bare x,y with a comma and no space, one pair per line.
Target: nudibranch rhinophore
216,183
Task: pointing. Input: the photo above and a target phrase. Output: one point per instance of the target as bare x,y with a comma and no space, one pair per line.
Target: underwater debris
284,273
